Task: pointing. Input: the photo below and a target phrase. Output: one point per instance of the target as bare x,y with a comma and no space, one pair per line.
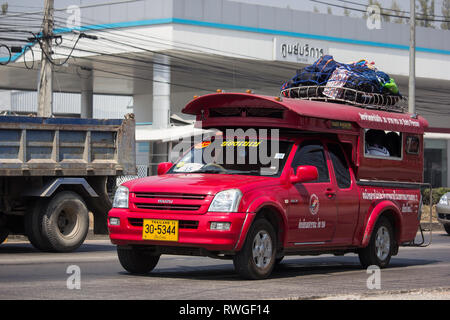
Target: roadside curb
435,226
386,295
90,236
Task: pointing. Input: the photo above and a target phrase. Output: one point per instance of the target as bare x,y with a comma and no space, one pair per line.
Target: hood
197,183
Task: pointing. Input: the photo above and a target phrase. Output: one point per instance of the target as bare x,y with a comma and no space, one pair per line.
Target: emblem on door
314,204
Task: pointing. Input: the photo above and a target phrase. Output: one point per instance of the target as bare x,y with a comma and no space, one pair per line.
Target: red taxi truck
346,180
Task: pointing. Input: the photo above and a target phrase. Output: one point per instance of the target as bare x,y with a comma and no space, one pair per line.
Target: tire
447,228
257,257
4,233
137,261
381,245
33,223
65,221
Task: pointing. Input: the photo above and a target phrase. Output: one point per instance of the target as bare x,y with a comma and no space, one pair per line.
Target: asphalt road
28,274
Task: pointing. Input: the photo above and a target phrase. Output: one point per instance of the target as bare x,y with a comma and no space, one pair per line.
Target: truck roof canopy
235,109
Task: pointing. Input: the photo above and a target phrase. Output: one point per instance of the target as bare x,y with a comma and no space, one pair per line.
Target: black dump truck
54,171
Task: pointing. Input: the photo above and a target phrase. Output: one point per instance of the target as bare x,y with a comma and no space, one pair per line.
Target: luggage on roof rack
358,84
350,96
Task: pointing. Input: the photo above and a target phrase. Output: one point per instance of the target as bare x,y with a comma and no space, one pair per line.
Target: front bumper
194,230
443,213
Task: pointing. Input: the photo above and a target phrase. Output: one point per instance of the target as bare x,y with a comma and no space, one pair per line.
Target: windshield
235,156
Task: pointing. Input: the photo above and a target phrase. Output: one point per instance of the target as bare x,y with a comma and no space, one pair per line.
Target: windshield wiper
208,171
243,171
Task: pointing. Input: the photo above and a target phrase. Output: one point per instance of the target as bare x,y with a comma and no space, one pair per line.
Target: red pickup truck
336,179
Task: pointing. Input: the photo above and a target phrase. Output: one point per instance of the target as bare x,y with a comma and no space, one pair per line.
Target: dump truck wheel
65,221
33,223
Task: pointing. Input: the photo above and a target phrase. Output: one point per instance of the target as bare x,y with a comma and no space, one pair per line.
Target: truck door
312,208
347,198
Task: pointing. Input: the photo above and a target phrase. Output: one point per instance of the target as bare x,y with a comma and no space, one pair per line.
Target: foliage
446,13
426,12
4,8
437,194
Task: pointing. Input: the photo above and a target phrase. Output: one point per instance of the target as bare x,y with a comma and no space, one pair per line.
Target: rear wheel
33,221
137,261
380,247
65,221
257,257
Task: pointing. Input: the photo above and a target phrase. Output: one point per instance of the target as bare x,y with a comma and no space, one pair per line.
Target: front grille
164,206
182,224
162,195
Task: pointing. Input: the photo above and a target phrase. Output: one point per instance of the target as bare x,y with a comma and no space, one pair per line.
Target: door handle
330,193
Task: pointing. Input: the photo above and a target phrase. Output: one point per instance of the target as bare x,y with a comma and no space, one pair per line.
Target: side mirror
305,174
163,167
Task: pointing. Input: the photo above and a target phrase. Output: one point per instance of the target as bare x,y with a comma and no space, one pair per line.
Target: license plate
160,230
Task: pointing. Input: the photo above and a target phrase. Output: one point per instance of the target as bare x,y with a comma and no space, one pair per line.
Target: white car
443,211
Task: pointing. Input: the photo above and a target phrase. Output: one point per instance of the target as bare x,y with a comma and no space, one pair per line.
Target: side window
311,153
340,165
380,143
412,145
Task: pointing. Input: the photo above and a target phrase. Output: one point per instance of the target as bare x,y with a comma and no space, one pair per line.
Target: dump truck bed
34,146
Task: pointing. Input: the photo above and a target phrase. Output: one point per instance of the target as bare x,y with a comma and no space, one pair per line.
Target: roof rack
362,99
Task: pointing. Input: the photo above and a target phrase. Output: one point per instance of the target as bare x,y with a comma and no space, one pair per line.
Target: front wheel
4,233
137,261
380,247
257,257
447,228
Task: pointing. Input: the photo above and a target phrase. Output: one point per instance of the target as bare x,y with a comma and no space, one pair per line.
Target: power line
382,14
200,66
386,9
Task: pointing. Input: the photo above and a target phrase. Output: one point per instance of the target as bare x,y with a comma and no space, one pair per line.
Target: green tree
446,13
346,12
396,10
330,11
426,13
5,8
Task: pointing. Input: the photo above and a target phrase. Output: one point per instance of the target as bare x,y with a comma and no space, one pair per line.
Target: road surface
28,274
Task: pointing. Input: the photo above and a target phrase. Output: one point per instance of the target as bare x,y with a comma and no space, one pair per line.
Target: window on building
435,162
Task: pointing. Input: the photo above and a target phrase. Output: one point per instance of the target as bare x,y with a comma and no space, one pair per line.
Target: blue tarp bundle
333,75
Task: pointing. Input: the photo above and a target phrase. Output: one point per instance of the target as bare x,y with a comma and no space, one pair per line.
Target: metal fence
142,171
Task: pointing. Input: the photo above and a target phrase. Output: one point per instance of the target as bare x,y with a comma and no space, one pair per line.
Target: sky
19,6
306,5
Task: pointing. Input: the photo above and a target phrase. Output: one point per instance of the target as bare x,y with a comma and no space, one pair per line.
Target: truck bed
34,146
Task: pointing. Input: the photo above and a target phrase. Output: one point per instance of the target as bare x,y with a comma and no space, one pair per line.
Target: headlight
444,200
226,201
121,198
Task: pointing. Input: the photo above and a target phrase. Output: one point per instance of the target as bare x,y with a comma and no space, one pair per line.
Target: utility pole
412,58
45,86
